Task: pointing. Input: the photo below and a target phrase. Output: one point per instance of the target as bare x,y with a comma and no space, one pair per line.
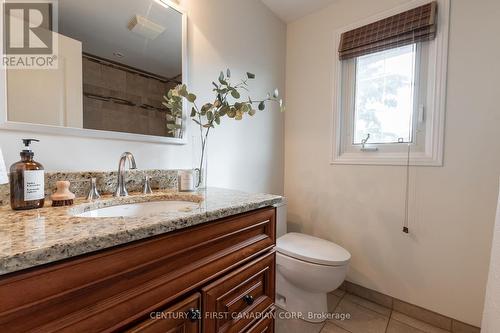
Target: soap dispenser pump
27,181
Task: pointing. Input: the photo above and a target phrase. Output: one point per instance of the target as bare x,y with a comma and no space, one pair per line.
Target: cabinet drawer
234,302
181,317
264,325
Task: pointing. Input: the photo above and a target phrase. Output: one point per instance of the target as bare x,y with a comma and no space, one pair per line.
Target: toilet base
308,306
302,287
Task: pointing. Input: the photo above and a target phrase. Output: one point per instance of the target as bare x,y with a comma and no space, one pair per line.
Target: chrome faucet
121,190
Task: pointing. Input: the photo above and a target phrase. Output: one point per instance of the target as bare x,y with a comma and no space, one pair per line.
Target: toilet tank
281,218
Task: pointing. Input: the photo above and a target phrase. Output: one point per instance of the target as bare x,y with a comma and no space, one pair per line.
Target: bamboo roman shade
415,25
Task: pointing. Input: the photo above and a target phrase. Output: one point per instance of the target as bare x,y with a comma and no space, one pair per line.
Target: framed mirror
116,59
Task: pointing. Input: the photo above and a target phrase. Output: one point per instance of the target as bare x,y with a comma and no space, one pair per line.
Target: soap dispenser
27,181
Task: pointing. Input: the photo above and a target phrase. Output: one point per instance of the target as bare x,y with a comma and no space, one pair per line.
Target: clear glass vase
200,158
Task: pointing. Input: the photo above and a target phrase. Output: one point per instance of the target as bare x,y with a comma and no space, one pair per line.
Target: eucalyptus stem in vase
227,103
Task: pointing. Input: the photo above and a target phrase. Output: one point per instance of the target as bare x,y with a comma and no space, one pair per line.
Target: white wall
239,34
443,264
244,36
491,316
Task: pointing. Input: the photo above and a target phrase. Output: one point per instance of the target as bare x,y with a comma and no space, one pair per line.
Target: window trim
432,154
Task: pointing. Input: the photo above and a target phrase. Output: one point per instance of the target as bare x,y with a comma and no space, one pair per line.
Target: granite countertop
35,237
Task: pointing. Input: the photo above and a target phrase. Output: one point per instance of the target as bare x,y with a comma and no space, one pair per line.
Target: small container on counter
185,181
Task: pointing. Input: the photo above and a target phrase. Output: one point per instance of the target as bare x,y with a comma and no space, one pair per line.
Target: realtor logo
29,35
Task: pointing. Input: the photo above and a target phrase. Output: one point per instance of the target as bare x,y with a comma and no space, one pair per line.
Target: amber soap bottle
27,181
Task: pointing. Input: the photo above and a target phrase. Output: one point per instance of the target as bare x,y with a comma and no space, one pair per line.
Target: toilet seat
312,249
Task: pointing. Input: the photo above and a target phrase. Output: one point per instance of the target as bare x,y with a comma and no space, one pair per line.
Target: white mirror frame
5,124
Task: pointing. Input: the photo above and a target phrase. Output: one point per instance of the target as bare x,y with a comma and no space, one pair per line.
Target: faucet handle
93,193
147,185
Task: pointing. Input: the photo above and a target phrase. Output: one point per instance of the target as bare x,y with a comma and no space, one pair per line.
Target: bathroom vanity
210,268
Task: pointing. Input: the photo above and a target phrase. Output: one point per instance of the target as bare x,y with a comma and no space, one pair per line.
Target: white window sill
378,158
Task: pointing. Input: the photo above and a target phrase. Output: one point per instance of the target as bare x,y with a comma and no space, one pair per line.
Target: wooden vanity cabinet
184,316
264,325
224,266
242,295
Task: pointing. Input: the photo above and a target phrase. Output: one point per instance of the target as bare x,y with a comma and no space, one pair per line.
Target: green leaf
235,94
224,110
183,91
221,79
276,93
228,73
193,112
217,119
210,115
205,108
231,113
245,108
191,98
171,126
250,75
262,106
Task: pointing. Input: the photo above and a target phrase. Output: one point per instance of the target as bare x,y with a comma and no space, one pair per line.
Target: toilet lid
312,249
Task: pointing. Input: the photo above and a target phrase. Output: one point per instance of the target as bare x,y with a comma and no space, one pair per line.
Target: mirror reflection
112,73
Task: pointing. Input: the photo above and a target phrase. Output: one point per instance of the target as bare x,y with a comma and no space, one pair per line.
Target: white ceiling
101,26
290,10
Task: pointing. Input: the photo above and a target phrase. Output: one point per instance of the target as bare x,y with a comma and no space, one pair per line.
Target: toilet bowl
307,269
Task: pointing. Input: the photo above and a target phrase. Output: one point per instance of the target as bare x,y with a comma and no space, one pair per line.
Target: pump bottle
27,181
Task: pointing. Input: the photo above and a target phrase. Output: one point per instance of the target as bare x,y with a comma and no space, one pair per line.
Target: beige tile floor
366,317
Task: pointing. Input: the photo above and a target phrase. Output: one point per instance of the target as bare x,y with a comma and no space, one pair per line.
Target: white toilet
307,269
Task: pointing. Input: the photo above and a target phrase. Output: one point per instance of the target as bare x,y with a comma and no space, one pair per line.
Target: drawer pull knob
248,299
194,314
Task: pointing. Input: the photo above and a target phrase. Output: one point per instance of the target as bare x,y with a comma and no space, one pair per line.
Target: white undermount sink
142,209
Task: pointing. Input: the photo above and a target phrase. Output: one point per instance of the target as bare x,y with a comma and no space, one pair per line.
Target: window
391,101
384,96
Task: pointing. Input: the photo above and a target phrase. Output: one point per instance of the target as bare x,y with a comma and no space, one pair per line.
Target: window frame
428,150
